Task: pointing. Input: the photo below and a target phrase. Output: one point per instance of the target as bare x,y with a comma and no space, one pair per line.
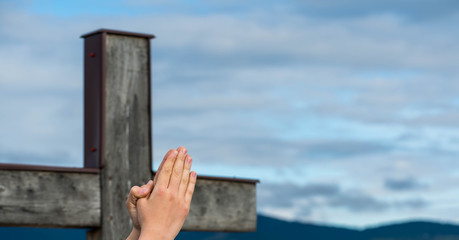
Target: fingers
135,193
132,199
177,171
185,175
164,175
138,192
190,187
161,165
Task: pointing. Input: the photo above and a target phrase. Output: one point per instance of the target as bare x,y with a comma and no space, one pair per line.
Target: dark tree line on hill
274,229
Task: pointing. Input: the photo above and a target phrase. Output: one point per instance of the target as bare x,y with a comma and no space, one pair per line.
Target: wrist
134,235
151,234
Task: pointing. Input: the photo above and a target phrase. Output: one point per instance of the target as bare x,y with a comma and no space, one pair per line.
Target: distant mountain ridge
415,230
271,228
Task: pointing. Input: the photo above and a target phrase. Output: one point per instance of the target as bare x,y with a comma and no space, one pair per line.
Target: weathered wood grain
58,199
49,199
127,129
222,206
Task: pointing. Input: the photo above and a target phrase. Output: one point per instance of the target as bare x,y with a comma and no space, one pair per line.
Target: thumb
148,186
133,197
146,189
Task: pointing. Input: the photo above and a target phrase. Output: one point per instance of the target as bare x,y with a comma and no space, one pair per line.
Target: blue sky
345,110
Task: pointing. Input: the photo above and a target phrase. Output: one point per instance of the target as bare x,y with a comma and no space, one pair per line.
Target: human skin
159,208
131,204
136,193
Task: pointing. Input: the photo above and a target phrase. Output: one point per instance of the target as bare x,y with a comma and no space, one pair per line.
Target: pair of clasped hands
159,208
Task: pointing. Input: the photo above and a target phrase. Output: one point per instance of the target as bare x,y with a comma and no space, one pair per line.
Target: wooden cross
117,155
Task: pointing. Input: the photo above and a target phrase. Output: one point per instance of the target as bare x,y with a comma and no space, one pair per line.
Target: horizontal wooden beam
42,168
221,205
49,199
72,200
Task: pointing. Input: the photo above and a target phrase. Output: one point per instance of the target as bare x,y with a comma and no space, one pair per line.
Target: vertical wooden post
118,108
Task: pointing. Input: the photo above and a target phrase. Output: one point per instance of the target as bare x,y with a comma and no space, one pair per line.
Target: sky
345,110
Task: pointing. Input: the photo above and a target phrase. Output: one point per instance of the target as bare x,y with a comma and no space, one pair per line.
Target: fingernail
183,151
188,160
150,182
143,190
193,174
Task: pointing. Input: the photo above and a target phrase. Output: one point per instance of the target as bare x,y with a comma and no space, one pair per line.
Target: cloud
236,144
356,201
56,158
333,9
285,195
404,184
412,204
424,10
344,148
316,197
